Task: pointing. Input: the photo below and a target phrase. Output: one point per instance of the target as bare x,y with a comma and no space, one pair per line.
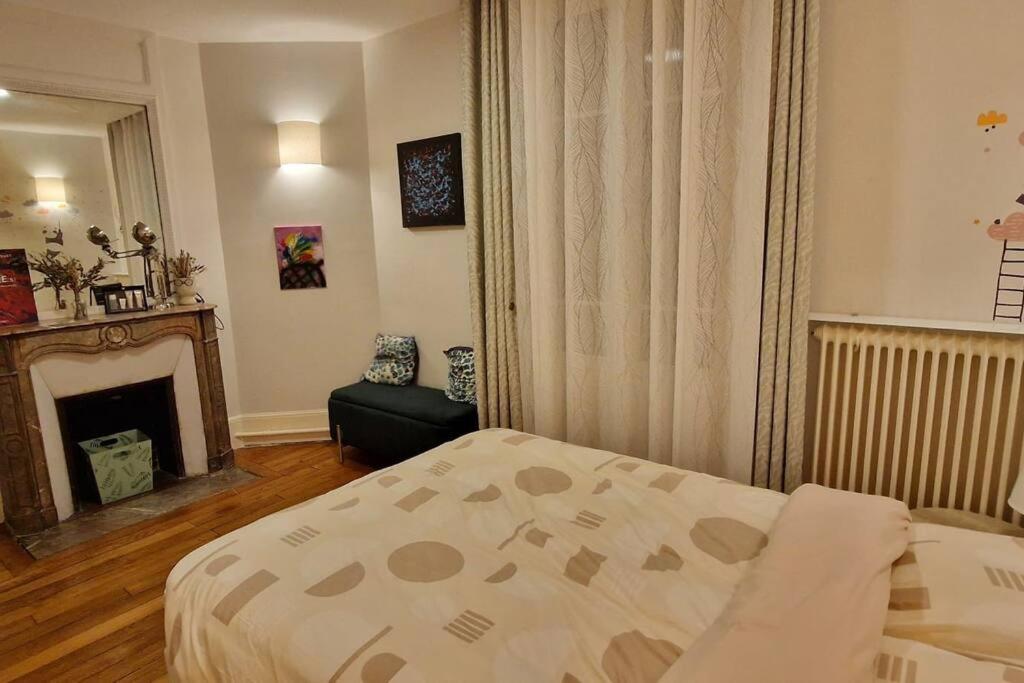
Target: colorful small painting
17,303
430,175
300,256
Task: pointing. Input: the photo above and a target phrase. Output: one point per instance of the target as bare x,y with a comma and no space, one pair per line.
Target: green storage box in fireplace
122,464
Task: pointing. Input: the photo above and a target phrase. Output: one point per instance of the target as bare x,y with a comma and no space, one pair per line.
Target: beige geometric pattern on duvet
962,591
907,661
501,557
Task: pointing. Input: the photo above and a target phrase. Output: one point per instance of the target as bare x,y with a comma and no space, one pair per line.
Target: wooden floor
95,611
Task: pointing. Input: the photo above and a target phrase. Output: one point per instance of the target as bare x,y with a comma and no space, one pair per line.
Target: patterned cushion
461,375
394,362
390,371
394,346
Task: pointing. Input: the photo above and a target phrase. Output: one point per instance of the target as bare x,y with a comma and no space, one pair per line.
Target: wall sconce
50,190
298,142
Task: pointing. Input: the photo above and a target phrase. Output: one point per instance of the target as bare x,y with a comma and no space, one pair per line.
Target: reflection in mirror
66,164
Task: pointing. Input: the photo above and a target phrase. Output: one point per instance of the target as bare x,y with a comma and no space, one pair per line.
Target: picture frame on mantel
430,179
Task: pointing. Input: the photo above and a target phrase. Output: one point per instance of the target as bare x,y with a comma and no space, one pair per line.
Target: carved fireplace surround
25,482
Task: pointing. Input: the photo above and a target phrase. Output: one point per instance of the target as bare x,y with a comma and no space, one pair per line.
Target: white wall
44,51
413,91
52,51
293,346
903,169
215,108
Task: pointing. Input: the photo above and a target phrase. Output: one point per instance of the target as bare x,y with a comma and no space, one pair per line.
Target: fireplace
146,406
65,381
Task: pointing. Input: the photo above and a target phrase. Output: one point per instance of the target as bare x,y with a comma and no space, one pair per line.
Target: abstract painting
430,175
300,256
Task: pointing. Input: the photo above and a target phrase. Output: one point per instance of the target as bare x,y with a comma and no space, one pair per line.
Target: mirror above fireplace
67,163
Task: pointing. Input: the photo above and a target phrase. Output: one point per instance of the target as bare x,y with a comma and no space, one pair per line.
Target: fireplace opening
146,406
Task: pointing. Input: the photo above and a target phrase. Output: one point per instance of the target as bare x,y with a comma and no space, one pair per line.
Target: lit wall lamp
50,190
298,142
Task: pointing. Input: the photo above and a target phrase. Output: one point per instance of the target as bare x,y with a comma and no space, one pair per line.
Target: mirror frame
149,103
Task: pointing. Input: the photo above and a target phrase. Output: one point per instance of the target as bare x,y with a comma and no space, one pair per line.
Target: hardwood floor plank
69,646
95,612
105,652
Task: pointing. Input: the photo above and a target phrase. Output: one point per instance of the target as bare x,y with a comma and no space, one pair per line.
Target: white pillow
961,590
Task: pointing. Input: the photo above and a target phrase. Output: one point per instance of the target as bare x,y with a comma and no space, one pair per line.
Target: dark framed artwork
430,176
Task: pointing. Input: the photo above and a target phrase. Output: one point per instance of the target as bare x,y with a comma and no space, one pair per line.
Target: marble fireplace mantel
25,482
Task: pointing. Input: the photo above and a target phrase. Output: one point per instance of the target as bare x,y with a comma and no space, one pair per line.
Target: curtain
639,224
488,194
782,384
133,170
134,179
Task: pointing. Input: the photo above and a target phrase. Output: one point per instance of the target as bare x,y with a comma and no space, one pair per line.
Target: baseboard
264,429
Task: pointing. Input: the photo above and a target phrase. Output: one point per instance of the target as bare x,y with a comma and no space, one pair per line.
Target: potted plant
54,276
67,272
183,269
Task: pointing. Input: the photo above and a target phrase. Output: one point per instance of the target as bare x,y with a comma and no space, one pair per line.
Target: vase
185,292
81,309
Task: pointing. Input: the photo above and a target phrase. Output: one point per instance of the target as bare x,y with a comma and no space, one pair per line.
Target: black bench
395,423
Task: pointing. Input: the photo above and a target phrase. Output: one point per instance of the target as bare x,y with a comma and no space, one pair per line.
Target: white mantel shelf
1011,328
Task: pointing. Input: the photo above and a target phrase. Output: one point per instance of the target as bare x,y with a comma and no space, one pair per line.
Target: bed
504,556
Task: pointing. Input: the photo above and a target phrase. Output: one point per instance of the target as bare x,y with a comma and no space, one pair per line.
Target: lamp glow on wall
298,143
50,190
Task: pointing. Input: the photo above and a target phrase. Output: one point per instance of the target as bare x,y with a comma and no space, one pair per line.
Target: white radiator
929,417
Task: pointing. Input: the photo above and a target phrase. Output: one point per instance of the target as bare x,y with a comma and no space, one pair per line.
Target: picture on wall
17,303
430,176
300,256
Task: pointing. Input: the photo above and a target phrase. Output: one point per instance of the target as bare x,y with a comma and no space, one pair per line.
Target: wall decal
300,256
1011,228
1009,299
990,120
430,176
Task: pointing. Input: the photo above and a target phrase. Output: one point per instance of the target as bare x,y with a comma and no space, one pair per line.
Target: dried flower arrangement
67,272
183,269
54,276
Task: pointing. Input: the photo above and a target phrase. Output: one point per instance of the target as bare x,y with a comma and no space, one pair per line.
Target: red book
17,303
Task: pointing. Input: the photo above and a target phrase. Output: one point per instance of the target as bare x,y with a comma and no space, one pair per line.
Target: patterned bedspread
500,556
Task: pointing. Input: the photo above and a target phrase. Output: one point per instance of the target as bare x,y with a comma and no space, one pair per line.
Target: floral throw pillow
461,375
394,362
394,346
390,371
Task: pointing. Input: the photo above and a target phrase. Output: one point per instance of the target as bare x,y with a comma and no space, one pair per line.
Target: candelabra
146,238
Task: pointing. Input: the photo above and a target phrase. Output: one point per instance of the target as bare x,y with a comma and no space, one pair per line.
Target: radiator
929,417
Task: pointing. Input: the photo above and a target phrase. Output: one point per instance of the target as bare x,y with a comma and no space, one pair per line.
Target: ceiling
241,21
33,113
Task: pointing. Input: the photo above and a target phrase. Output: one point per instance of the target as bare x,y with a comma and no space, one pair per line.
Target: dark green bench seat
396,423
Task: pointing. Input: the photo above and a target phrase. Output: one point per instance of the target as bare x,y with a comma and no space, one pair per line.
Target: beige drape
134,180
639,169
488,193
778,460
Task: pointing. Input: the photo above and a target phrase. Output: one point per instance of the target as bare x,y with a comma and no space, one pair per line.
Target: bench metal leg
341,445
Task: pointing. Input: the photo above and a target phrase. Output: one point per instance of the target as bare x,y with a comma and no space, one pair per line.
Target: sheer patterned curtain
639,225
133,170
